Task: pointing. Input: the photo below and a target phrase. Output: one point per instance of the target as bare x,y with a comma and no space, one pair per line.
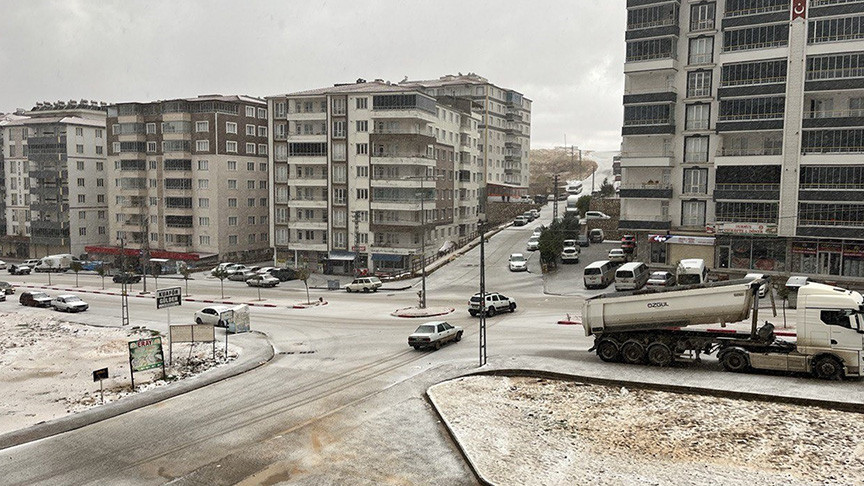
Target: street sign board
100,374
170,297
145,354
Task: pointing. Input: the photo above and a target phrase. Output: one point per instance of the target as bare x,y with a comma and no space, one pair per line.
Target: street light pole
422,244
482,228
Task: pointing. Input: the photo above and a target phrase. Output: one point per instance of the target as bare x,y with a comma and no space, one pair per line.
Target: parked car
517,263
6,288
211,315
284,274
535,213
628,243
569,244
364,284
434,335
529,216
660,279
265,270
617,255
35,299
236,268
91,265
262,281
763,289
538,230
596,215
495,303
596,235
32,263
570,254
127,278
533,243
69,303
19,269
241,276
520,220
222,266
2,265
583,241
2,297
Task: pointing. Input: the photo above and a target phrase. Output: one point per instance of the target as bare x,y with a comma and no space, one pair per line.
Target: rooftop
361,86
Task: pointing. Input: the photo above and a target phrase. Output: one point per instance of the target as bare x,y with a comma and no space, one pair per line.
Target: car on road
434,335
241,276
533,243
19,270
6,288
570,254
365,284
267,281
222,266
69,303
763,289
520,220
127,278
583,241
265,270
91,265
236,268
529,216
535,213
596,235
495,303
538,230
660,280
284,274
2,265
617,255
32,263
212,315
628,243
517,263
596,215
35,299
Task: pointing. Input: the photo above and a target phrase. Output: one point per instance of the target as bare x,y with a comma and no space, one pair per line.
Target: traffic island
306,305
414,312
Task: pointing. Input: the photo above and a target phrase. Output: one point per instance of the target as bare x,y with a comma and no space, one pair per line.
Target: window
701,50
100,150
693,213
250,184
202,145
835,29
250,111
250,130
339,129
761,37
363,171
82,198
98,133
232,183
79,149
698,84
262,131
362,148
79,165
250,149
362,126
645,50
100,198
251,237
250,220
203,240
696,149
151,128
262,149
362,193
231,147
202,126
151,147
262,113
262,184
203,183
702,16
82,231
82,214
232,202
203,202
232,240
338,106
203,221
695,181
230,127
203,165
736,109
280,109
250,202
80,182
232,221
102,214
362,103
698,116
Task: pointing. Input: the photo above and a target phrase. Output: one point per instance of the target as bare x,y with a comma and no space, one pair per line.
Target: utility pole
555,202
422,195
482,228
144,258
356,215
124,294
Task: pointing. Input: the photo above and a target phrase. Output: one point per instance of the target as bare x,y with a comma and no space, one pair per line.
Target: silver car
434,335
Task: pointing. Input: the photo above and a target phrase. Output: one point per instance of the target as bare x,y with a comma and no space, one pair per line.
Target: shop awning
385,257
341,255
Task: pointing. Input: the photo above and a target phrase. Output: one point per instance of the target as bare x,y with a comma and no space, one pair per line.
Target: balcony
835,118
836,192
381,180
401,130
651,95
649,126
659,158
386,158
749,156
308,202
645,222
736,191
314,181
646,190
398,204
308,224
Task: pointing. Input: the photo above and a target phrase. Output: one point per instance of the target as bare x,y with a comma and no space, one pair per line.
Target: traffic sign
170,297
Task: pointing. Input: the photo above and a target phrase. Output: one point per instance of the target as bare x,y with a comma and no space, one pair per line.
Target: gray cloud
566,55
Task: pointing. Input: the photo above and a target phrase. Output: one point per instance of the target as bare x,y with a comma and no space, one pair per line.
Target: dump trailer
651,326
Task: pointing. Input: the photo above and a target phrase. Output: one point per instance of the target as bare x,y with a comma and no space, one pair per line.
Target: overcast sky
565,55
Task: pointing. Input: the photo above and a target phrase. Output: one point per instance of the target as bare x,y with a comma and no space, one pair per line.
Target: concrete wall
502,212
612,207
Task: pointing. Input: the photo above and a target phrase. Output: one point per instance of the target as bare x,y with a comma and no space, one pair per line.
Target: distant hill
545,163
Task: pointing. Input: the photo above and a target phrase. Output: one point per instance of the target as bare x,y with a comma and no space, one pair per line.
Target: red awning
169,255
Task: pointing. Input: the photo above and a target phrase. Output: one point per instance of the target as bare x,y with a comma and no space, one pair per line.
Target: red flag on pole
799,9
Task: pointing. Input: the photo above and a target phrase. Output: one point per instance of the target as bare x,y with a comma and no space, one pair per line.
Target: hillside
545,163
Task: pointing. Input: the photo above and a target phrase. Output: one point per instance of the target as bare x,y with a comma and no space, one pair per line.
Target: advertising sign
169,297
192,333
100,374
145,354
743,229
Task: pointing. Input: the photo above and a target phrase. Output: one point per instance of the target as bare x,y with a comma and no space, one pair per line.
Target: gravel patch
535,431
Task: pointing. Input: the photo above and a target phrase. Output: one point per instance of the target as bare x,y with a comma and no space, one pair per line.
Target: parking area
567,279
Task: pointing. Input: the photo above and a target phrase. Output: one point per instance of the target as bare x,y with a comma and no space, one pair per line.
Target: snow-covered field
604,169
46,366
535,431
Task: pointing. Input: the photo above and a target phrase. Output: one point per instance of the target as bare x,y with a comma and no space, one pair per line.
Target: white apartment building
359,170
505,129
744,134
189,179
54,179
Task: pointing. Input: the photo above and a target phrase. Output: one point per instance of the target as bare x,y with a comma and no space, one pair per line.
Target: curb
570,323
128,404
308,306
409,316
467,457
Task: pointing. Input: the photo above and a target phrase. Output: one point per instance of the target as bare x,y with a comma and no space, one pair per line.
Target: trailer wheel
633,352
827,368
735,361
659,355
608,351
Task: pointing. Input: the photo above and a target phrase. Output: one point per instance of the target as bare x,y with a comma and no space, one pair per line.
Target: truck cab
831,327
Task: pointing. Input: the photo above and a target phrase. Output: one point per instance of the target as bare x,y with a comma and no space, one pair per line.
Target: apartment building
505,129
360,170
53,179
743,134
189,179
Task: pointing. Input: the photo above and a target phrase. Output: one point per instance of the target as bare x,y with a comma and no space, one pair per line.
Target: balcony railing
646,155
647,217
838,73
747,152
757,10
732,218
650,24
834,114
399,131
757,45
833,150
652,57
646,185
751,116
855,186
743,187
830,222
648,121
661,89
749,82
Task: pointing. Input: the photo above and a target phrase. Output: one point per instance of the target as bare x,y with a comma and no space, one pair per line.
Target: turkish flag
799,9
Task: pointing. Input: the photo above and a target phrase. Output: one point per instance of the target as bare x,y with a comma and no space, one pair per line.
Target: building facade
359,170
505,129
743,134
54,179
189,179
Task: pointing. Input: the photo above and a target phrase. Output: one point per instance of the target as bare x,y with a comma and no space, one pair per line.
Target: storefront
390,264
751,253
340,262
669,249
840,258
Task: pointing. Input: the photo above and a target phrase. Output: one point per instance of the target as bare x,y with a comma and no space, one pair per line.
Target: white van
599,275
631,276
691,271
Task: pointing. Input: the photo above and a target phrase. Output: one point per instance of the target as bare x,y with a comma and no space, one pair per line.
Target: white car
533,243
364,284
495,303
69,303
763,289
265,270
2,265
596,215
236,268
212,315
265,280
434,334
617,255
570,254
570,244
242,276
222,266
518,263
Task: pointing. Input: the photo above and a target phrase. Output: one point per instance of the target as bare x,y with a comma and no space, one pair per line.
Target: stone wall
502,212
612,207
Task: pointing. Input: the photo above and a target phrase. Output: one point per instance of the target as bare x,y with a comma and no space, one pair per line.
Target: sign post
168,298
99,375
145,354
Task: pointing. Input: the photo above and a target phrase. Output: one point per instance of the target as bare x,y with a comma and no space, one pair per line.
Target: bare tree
186,272
102,270
76,267
221,274
303,274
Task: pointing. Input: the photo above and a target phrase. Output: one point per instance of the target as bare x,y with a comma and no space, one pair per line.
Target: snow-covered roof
376,86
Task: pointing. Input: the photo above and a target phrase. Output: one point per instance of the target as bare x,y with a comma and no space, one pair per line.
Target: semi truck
654,326
571,206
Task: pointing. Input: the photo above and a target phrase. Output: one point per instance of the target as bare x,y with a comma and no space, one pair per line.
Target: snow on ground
46,367
529,430
604,169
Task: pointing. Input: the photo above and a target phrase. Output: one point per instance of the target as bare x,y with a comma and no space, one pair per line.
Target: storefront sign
804,250
853,251
743,228
683,240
